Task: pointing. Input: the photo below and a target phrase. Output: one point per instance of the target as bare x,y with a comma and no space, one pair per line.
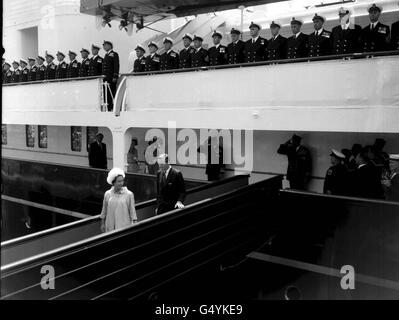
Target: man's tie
163,179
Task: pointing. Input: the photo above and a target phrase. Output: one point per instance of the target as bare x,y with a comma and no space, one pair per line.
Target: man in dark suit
346,37
297,44
152,61
255,48
169,60
214,152
85,65
62,67
395,36
299,162
320,39
96,62
336,181
217,53
186,52
200,56
171,190
235,49
277,45
139,63
74,65
51,68
110,70
98,153
375,37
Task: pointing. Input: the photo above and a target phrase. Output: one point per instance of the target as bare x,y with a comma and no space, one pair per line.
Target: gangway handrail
53,80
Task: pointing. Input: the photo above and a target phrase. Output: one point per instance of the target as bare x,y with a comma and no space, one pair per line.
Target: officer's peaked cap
84,50
23,61
275,24
252,25
59,53
296,21
235,31
109,42
217,34
93,46
153,43
374,7
72,52
316,16
189,36
140,47
337,154
343,11
168,39
198,38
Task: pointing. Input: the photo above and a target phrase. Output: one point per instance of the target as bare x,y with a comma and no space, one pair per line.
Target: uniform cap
152,43
198,38
93,46
47,55
23,61
316,16
296,21
275,24
140,47
168,39
337,154
115,172
296,137
6,63
217,34
59,53
84,50
343,11
72,52
109,42
31,59
374,7
189,36
15,62
235,31
394,157
252,25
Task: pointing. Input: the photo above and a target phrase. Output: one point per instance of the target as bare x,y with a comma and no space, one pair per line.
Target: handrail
53,80
270,62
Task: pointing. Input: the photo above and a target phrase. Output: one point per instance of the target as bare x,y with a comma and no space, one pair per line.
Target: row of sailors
345,38
35,69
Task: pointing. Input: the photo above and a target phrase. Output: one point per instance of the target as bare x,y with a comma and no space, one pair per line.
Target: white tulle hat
113,174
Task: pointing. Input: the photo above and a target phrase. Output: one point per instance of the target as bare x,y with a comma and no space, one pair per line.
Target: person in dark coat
200,56
277,44
139,63
169,60
395,36
16,73
62,67
152,61
7,73
319,40
24,71
256,47
51,68
96,62
392,193
171,191
32,69
85,65
217,53
98,153
235,49
215,163
298,43
375,36
336,180
110,71
186,53
74,65
346,37
299,162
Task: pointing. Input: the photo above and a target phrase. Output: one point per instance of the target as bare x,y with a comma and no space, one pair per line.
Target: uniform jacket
217,56
111,66
236,52
73,69
298,47
336,180
96,66
277,48
32,73
84,69
299,162
366,182
169,60
8,77
24,75
98,155
152,62
376,39
139,65
200,58
170,191
320,45
51,71
62,70
395,36
41,73
185,57
15,75
346,41
255,51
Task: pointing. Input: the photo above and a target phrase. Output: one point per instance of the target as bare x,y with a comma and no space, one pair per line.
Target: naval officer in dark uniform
200,56
139,63
32,69
62,67
85,64
16,72
110,70
336,180
7,77
96,62
395,36
277,45
169,60
41,69
152,61
74,65
217,53
256,47
98,153
186,53
375,37
346,37
297,44
236,48
51,67
24,71
320,39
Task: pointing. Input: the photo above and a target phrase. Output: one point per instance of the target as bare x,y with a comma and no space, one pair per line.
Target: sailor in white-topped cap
62,67
118,209
217,53
169,60
236,48
336,180
152,61
346,35
74,65
139,63
200,57
375,36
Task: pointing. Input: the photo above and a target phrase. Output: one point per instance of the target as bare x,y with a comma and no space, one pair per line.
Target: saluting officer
297,44
51,68
375,37
277,45
256,47
200,57
186,52
169,60
62,67
74,65
320,39
336,180
346,36
96,62
17,71
85,65
217,53
395,36
32,69
110,69
235,49
24,71
139,63
7,73
152,61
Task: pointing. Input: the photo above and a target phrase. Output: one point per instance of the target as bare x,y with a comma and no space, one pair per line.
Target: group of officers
345,38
